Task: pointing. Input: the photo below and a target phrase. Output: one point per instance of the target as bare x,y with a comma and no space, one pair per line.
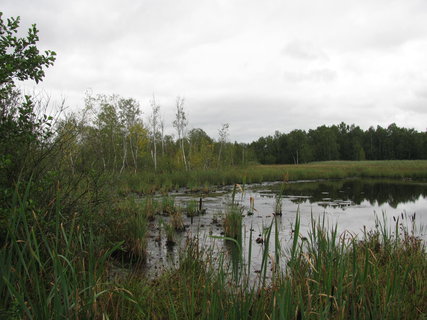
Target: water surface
353,205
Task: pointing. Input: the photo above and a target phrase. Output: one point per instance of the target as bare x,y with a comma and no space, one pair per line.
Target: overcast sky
260,66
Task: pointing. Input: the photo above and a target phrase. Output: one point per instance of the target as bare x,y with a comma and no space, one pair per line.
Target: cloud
421,93
304,50
319,75
415,103
381,25
260,66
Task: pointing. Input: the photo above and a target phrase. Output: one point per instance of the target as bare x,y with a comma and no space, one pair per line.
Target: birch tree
109,130
154,128
129,113
223,135
162,135
180,124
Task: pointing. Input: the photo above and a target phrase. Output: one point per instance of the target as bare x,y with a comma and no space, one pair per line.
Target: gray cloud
304,50
319,75
421,93
258,66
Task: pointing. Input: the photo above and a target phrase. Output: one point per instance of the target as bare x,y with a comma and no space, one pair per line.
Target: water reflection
350,204
356,191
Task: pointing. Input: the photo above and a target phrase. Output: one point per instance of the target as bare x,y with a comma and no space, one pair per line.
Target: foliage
20,127
23,133
20,59
115,133
342,142
180,123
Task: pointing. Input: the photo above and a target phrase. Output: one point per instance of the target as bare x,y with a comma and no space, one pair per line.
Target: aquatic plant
233,222
167,205
192,208
149,207
177,221
128,224
60,272
170,233
278,204
251,210
326,276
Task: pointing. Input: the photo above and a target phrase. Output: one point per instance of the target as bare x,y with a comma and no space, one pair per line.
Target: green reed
205,180
50,269
59,269
323,275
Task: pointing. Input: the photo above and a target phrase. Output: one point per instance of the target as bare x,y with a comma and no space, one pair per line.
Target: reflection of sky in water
353,218
347,215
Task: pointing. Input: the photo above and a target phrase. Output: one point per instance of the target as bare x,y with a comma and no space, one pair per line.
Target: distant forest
112,128
341,142
111,135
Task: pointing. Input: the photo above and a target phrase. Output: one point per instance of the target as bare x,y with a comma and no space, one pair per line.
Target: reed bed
204,180
324,275
61,268
51,269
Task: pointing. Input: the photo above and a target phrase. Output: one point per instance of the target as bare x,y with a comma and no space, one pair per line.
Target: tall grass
342,277
202,180
233,222
234,216
50,269
126,222
325,275
56,269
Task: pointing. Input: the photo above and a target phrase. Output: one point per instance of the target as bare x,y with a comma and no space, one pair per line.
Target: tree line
112,128
111,134
341,142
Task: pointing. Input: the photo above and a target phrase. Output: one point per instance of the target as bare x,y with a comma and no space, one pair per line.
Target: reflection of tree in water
357,191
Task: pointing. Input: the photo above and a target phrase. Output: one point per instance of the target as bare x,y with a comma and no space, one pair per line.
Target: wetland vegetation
86,196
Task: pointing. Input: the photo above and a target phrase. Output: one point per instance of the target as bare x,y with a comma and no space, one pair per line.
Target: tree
223,135
116,132
162,135
20,59
281,142
350,141
23,133
324,143
154,128
201,154
140,140
20,126
180,123
264,150
129,115
298,146
109,131
68,133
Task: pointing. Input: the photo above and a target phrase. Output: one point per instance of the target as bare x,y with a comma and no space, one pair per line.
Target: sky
260,66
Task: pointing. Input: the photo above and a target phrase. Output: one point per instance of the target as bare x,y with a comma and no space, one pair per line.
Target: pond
351,204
